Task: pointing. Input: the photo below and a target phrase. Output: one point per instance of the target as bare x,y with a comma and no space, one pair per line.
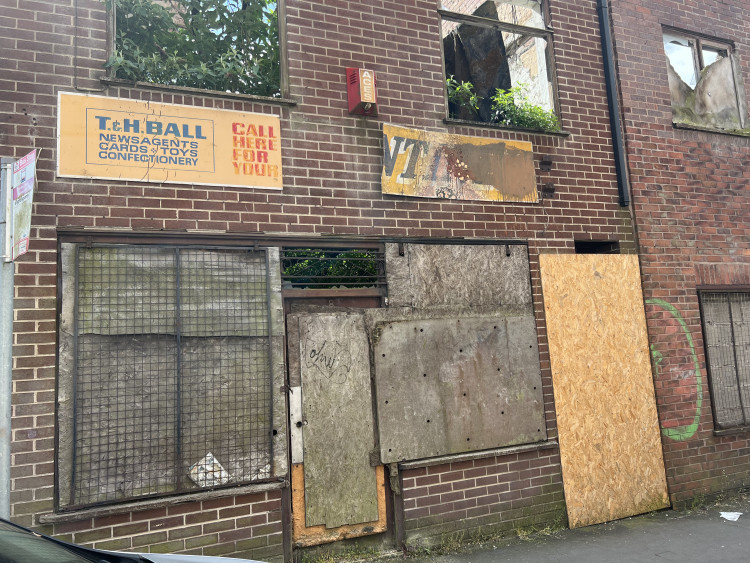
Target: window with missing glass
704,83
498,63
225,45
726,331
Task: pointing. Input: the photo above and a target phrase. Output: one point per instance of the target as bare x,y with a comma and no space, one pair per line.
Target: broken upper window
498,65
224,45
702,82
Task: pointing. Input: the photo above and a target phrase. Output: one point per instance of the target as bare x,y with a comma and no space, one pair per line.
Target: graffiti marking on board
330,359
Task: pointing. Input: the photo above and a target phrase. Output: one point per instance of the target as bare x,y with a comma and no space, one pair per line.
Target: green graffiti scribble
681,432
658,357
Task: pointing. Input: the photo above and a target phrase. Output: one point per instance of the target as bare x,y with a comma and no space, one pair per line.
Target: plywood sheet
337,429
610,445
440,276
447,386
305,536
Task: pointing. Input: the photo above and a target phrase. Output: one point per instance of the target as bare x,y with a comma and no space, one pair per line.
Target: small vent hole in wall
597,247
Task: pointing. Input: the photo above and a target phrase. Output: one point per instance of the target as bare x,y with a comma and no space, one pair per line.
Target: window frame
702,40
283,99
724,291
546,32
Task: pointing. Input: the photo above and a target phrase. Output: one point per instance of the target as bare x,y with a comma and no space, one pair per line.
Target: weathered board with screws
448,386
337,426
450,276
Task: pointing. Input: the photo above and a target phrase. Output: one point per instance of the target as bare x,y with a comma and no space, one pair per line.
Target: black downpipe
613,102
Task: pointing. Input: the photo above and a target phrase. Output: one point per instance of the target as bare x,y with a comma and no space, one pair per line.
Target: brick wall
481,496
240,526
691,205
332,165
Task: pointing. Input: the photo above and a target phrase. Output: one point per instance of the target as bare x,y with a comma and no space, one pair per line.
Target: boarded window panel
448,386
126,416
338,434
610,445
435,276
217,371
222,297
126,290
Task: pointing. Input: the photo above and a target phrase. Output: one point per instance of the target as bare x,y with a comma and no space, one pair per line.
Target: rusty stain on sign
438,165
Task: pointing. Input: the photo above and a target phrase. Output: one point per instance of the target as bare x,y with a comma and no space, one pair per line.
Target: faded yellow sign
120,139
439,165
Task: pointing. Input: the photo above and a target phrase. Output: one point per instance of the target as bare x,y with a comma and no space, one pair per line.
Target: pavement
706,534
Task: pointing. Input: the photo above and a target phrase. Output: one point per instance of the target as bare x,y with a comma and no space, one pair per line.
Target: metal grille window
333,268
726,326
171,377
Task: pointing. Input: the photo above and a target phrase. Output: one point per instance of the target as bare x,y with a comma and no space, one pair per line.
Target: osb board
446,276
316,535
610,446
338,427
449,386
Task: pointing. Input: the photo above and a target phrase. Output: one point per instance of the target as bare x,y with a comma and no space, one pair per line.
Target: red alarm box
360,88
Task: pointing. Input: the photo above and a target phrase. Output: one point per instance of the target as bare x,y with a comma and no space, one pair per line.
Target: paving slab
700,535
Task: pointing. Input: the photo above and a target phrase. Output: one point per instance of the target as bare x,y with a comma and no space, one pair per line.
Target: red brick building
686,128
218,263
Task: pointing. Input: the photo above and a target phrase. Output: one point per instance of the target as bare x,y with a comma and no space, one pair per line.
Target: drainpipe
610,79
6,339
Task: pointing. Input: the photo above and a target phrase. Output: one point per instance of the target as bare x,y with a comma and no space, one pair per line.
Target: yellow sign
446,166
119,139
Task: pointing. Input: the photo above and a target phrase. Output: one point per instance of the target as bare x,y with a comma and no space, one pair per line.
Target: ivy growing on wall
225,45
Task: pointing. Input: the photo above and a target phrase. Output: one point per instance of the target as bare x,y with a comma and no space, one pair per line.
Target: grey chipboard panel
338,433
449,386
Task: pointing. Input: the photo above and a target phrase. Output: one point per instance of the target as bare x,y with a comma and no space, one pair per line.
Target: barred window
165,372
726,328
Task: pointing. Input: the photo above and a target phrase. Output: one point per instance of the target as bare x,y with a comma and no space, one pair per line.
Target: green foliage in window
513,107
325,269
510,107
225,45
461,95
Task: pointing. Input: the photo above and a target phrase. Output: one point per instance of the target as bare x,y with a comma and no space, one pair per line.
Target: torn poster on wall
446,166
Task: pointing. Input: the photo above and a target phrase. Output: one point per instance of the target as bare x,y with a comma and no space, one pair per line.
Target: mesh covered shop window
171,379
726,328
